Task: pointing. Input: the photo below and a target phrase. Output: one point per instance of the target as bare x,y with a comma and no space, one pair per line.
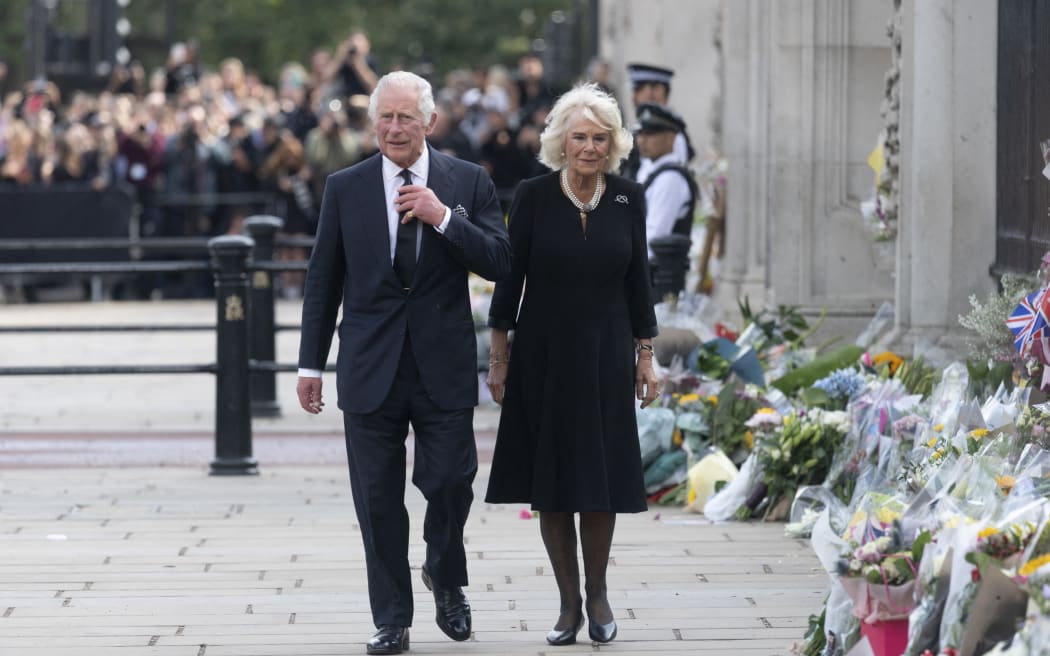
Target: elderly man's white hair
404,80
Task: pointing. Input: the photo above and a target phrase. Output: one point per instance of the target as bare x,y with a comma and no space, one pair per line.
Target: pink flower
525,514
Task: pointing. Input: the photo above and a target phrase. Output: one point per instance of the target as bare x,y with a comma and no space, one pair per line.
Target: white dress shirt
665,199
392,181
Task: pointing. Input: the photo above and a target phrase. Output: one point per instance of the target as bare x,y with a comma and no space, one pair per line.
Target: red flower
975,575
722,331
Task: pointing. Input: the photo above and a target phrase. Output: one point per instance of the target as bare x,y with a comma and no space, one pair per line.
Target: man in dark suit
397,236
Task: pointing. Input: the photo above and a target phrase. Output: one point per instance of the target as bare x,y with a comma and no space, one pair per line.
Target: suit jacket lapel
440,181
373,211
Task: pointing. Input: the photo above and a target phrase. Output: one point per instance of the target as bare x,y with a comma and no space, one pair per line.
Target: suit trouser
445,464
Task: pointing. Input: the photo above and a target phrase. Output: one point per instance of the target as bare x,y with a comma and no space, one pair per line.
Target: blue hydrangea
841,384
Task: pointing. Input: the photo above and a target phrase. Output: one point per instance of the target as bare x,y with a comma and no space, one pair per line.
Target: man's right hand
309,391
497,381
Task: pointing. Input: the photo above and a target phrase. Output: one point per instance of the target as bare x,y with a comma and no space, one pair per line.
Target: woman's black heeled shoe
564,637
602,632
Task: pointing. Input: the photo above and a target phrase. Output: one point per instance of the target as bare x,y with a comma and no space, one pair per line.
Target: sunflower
886,357
1033,565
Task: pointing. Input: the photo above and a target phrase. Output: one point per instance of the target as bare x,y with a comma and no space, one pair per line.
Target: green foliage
991,338
266,34
785,324
916,376
814,397
919,546
14,25
986,376
821,366
799,455
449,33
710,363
727,420
815,639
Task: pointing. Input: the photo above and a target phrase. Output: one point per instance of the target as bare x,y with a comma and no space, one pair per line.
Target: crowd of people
203,148
188,129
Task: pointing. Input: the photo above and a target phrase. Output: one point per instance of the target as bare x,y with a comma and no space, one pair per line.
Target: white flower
764,419
837,419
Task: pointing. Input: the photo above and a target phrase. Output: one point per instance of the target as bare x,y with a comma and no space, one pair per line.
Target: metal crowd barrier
245,343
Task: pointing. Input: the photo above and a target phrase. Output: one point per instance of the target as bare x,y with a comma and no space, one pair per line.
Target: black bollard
262,342
233,419
669,265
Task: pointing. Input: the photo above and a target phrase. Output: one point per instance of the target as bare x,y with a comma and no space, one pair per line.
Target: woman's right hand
497,381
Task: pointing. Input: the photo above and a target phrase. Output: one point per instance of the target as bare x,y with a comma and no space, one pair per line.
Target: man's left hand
420,203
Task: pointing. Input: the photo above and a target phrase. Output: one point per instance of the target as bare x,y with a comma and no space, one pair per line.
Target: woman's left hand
646,386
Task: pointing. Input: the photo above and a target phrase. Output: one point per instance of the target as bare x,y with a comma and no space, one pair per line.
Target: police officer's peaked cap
643,73
657,118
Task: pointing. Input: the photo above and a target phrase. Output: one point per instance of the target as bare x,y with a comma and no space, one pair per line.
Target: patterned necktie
405,248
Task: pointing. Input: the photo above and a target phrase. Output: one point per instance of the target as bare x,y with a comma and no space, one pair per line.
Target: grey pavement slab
171,561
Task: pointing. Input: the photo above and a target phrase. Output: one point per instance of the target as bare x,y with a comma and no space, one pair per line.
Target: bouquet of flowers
728,414
835,390
1033,425
798,454
880,574
983,602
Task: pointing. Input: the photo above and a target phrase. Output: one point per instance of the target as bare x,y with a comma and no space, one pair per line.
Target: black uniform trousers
445,463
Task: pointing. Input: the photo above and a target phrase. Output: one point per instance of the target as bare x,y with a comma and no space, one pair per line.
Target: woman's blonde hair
595,105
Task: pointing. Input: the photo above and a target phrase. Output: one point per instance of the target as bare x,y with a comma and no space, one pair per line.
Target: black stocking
596,533
558,530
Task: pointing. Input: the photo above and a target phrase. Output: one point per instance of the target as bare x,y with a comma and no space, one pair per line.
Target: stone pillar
948,164
746,43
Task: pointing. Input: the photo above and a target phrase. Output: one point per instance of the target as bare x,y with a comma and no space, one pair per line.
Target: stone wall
677,34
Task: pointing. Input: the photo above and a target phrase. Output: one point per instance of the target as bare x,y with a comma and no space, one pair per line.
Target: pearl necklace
584,208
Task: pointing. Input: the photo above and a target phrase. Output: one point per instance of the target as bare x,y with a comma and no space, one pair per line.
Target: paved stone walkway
114,540
171,561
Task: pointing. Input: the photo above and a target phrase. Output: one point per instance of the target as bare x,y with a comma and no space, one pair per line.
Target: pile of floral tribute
925,492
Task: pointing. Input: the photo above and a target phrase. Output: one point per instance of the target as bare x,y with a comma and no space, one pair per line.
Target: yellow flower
689,398
988,532
938,427
677,439
932,442
749,439
886,515
938,454
1034,564
713,400
894,360
978,433
1006,483
765,411
691,497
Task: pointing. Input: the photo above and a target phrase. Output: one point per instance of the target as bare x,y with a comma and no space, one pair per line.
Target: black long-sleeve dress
568,438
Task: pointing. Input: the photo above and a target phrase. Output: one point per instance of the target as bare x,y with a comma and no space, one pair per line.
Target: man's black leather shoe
453,611
388,640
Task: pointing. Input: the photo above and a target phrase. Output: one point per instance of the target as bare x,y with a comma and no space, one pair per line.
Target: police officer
670,190
652,84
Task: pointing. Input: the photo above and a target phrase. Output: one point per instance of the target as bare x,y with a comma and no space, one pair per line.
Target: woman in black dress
568,440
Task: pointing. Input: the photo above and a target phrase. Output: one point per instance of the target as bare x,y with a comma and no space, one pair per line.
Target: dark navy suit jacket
350,265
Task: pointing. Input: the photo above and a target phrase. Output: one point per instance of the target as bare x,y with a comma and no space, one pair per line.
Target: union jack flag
1028,321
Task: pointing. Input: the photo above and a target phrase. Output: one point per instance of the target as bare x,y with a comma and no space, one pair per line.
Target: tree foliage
433,35
445,33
